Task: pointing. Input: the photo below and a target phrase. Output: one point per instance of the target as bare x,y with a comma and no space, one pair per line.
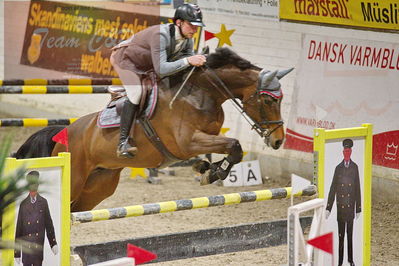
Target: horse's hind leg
204,143
100,184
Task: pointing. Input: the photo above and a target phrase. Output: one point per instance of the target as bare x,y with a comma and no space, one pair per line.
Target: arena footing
196,243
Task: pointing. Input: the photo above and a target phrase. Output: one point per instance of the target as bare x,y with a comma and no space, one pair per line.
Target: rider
165,49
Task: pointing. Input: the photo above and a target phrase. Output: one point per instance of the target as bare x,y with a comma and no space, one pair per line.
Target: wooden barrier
198,243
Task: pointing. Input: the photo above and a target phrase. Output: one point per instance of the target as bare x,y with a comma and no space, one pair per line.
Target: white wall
268,44
277,45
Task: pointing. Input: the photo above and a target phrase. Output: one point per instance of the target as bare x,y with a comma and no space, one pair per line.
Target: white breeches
131,82
133,92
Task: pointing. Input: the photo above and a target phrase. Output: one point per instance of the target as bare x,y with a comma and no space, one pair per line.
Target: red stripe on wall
299,142
385,146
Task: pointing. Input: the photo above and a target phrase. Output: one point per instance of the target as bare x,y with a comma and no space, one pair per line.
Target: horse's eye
268,101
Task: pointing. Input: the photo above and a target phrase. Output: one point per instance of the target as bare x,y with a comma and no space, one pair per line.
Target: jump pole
35,82
187,204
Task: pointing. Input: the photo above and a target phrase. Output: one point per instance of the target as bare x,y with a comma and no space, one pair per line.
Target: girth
153,137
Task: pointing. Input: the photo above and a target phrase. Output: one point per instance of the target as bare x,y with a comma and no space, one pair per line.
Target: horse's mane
224,56
221,57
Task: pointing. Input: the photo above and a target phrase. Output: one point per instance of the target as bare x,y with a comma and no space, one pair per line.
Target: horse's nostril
277,144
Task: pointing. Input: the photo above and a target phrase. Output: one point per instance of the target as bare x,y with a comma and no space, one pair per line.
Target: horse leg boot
129,110
220,170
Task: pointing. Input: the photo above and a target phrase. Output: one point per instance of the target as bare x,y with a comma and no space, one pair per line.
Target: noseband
257,126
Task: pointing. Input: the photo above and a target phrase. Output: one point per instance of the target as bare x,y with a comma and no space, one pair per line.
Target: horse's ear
282,73
267,78
205,50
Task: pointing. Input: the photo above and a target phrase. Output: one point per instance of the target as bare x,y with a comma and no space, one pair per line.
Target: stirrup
125,150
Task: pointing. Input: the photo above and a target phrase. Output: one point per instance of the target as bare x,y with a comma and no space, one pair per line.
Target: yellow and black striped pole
34,122
35,82
187,204
50,89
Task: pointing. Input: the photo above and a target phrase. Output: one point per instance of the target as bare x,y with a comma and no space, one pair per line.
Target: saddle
110,116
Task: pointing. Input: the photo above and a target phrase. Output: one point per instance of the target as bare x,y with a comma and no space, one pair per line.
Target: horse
187,129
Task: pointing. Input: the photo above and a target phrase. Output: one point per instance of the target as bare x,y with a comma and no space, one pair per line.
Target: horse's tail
40,144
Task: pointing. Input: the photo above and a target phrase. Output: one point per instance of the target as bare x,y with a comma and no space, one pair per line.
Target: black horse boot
125,150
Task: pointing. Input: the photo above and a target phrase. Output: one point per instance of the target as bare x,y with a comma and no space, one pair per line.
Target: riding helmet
189,12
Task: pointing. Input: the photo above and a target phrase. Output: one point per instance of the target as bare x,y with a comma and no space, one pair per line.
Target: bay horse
189,129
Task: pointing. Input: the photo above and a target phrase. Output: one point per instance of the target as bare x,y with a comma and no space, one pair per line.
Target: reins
263,132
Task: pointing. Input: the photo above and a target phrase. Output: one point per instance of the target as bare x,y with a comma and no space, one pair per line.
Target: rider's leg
132,84
128,114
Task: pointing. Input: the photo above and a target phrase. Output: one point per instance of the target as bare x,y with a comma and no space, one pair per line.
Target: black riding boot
125,150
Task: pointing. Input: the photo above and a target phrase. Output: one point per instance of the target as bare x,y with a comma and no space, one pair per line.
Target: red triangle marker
323,242
209,35
140,255
62,137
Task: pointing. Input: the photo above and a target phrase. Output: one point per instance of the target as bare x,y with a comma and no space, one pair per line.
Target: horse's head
263,105
259,91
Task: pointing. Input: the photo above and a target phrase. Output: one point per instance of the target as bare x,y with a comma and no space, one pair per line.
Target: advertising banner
346,82
77,39
380,14
242,8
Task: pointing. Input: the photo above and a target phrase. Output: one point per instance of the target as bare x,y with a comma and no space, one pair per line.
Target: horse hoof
201,166
154,180
218,183
205,179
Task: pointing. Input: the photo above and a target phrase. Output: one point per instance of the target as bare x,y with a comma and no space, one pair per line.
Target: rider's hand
197,60
54,249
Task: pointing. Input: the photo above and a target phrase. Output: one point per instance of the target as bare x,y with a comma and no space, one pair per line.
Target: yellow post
9,218
368,160
319,154
65,247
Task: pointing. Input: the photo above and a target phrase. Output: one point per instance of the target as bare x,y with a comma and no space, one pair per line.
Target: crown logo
392,149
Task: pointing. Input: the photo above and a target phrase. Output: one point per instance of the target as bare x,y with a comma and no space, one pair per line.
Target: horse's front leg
203,143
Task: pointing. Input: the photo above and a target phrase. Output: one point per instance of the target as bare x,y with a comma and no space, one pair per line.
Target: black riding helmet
190,12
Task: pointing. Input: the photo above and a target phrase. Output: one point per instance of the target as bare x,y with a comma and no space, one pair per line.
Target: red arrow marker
323,242
209,35
140,255
62,137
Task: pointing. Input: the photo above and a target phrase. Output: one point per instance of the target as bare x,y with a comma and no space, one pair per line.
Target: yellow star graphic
224,36
138,172
223,130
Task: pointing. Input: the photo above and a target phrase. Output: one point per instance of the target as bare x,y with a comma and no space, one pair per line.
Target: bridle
257,126
264,121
